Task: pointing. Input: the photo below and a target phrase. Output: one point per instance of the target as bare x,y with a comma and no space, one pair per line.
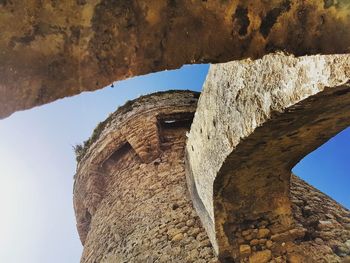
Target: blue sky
327,168
37,223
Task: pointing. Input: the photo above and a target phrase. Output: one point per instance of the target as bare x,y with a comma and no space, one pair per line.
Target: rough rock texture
132,203
130,194
254,122
324,224
51,49
322,232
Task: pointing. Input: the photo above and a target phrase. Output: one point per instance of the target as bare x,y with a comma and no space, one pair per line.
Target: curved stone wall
51,49
255,121
130,195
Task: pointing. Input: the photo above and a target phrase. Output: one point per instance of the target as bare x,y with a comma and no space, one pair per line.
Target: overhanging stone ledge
54,49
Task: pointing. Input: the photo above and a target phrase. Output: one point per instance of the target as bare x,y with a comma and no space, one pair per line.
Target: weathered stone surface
255,120
245,250
52,49
264,232
322,207
260,257
135,209
132,208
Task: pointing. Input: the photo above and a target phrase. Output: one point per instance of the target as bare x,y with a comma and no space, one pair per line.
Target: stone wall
52,49
255,120
321,234
142,211
325,225
132,202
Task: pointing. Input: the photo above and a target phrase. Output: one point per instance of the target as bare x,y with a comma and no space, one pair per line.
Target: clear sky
328,168
37,165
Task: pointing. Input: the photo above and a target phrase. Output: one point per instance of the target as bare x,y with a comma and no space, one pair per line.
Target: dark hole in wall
117,154
167,124
226,259
173,121
241,16
271,17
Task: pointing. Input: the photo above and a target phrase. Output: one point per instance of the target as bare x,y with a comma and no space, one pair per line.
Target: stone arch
264,116
253,185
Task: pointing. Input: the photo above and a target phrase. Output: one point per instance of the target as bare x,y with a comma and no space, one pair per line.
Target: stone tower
130,193
132,202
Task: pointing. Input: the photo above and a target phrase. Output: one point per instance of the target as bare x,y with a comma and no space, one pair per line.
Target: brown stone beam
254,122
52,49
